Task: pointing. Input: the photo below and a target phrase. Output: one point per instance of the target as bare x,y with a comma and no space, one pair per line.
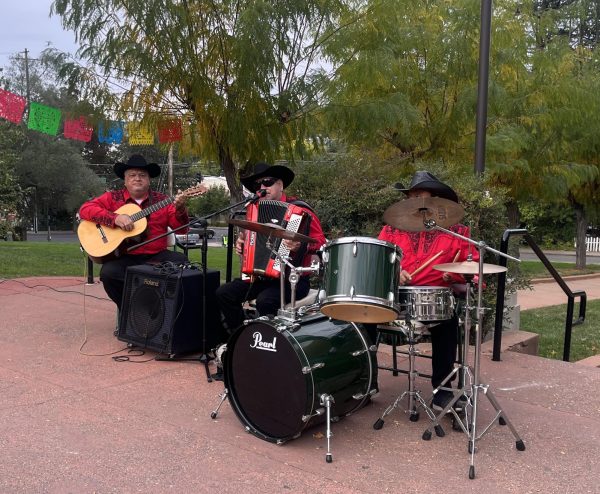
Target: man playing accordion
265,286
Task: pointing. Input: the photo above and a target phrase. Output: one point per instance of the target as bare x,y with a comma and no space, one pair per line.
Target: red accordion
260,260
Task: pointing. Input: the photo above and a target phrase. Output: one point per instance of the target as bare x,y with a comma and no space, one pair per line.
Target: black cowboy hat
136,161
262,169
423,180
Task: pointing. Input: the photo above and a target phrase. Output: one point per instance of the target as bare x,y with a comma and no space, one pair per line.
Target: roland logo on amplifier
259,344
151,282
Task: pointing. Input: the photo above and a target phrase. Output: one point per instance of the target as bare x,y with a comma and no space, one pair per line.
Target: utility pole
27,98
27,91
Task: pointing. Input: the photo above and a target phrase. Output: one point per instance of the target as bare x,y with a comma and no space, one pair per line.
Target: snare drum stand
476,385
414,396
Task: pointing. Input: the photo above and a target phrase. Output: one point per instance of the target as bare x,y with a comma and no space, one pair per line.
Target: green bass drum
275,373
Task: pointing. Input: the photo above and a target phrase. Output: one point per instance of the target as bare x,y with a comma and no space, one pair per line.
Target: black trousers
444,342
266,291
112,273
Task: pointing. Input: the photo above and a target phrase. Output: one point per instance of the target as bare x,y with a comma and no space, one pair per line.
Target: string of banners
43,118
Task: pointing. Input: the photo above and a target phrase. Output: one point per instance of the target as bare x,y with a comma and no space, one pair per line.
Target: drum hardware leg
479,387
414,396
326,401
223,396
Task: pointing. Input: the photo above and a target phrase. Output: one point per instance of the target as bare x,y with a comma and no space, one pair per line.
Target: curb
536,281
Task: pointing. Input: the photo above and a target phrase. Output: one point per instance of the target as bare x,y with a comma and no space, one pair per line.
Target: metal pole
170,167
482,85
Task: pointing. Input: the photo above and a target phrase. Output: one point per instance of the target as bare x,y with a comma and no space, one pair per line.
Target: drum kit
319,359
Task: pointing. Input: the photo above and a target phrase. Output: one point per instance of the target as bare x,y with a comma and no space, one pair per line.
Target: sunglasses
267,182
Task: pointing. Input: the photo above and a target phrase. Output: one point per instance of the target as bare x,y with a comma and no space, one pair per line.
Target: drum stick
426,263
456,256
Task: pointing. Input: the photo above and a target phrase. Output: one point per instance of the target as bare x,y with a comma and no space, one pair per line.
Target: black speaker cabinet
163,311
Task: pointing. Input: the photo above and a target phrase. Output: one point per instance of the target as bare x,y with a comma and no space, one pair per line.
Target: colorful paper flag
78,130
170,131
12,106
139,134
43,118
111,132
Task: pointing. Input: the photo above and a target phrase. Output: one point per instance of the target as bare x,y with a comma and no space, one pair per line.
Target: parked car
193,236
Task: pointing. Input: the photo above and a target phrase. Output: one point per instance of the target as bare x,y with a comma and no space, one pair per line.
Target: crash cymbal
411,214
469,267
273,230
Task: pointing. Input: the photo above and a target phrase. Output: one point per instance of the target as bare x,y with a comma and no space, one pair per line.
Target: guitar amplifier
258,258
164,311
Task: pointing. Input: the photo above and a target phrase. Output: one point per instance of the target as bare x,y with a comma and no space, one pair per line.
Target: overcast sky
26,24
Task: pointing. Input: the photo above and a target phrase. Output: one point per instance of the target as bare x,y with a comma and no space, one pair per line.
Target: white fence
592,244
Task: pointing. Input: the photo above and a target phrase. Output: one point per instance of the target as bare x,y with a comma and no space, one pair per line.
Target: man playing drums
422,250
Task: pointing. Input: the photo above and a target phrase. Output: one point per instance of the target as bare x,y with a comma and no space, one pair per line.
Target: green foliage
552,226
214,199
348,193
12,140
242,73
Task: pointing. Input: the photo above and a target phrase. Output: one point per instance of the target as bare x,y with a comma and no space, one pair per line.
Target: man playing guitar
103,212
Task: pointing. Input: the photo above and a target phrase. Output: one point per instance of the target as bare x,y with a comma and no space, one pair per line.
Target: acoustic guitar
102,243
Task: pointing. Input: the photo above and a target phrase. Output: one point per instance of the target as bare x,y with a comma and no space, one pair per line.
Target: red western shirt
419,247
102,210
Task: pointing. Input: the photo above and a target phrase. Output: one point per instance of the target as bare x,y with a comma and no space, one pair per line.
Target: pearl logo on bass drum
259,344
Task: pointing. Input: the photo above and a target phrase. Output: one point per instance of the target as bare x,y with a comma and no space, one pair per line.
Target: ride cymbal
469,267
273,230
411,214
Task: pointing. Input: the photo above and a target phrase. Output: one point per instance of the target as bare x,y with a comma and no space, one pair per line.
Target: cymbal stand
414,396
477,386
465,375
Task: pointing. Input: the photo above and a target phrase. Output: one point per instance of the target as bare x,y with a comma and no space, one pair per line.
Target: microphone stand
201,223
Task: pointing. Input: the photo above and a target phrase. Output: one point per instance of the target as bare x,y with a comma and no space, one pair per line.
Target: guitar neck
151,209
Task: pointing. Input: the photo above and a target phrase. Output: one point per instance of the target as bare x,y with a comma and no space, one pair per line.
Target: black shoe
443,397
218,376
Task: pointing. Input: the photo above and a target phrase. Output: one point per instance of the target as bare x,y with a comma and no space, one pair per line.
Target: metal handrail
569,323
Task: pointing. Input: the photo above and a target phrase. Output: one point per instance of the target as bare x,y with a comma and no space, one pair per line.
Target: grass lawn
24,259
549,323
535,269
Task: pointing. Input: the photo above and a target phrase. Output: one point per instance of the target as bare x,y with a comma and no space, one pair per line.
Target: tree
50,171
11,194
242,73
406,76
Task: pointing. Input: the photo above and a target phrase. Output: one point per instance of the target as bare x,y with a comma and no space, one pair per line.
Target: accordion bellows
259,260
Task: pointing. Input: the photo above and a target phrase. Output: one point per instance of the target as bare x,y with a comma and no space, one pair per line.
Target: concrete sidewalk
76,420
546,292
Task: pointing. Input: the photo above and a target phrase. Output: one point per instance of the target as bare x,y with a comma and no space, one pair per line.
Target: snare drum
276,375
359,280
426,303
